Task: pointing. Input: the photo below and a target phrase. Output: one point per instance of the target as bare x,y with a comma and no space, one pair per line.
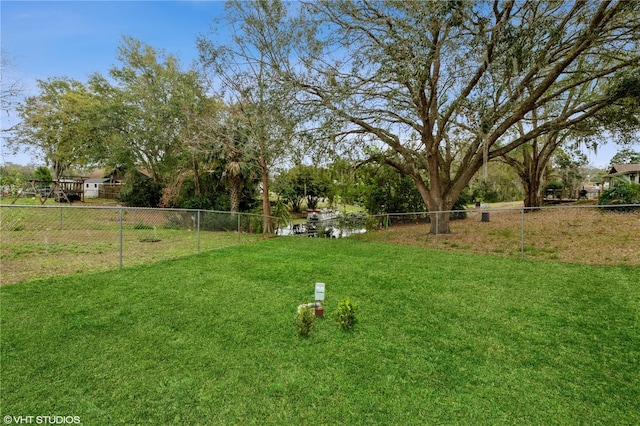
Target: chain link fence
45,241
586,234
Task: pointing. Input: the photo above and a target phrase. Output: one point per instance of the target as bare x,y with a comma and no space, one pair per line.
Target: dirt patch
575,235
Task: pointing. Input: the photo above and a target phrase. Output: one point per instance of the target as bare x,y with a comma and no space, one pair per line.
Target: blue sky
77,38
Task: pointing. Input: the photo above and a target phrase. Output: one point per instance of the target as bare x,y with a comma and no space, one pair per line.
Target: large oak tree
444,84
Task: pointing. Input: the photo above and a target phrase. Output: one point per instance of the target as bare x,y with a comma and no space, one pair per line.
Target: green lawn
442,338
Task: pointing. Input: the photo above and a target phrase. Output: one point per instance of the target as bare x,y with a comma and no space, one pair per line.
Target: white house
92,186
632,171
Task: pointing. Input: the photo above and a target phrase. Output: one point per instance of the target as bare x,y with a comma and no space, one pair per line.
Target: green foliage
623,191
553,185
281,213
141,192
300,183
212,221
347,183
390,191
151,107
256,222
484,192
62,123
43,174
195,203
567,167
346,315
626,156
502,184
13,175
556,186
304,321
459,209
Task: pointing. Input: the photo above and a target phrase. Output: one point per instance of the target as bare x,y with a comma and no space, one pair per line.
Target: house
92,187
108,184
632,171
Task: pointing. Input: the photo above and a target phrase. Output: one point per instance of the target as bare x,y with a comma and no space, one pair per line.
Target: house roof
98,173
117,173
97,180
617,169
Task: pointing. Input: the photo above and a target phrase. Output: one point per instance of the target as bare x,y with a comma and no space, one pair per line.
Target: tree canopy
444,84
435,90
61,124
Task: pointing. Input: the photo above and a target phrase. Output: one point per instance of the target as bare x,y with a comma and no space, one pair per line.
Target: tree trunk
436,205
440,223
532,197
234,193
58,169
267,227
532,178
196,177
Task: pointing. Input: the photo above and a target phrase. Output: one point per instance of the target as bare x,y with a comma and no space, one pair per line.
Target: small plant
304,321
346,315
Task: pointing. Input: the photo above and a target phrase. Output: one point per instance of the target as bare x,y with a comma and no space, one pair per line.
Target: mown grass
442,338
42,242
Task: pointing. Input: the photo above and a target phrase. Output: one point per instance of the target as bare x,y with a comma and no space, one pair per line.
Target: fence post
121,239
522,234
198,220
61,218
437,228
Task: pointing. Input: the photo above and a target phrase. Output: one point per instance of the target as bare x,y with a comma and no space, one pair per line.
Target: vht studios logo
42,420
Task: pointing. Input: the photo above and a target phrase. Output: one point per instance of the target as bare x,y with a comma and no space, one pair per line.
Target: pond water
326,223
319,231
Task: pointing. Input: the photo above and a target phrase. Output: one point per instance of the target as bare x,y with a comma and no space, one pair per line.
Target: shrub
346,316
459,210
217,221
555,187
623,191
141,192
304,321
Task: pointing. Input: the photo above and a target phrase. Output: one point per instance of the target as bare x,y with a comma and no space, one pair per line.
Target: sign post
319,297
319,294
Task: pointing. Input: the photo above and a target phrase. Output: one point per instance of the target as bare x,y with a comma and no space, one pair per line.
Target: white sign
319,291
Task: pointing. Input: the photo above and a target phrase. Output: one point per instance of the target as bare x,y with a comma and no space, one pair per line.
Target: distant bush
141,192
623,191
212,221
459,210
554,187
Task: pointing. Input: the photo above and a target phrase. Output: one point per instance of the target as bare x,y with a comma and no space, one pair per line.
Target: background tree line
427,97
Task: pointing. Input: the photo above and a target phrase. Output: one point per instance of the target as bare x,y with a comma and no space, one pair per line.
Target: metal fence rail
586,234
44,241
